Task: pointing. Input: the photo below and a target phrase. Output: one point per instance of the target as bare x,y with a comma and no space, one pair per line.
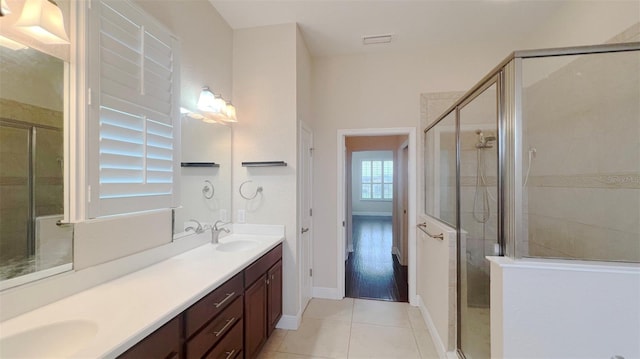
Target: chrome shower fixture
484,141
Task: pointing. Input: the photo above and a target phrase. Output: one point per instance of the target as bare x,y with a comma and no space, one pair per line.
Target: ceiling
337,27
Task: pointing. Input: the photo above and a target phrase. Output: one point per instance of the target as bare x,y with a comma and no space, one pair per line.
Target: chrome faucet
198,229
216,229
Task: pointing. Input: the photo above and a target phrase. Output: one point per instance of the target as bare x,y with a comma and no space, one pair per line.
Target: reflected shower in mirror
205,180
32,243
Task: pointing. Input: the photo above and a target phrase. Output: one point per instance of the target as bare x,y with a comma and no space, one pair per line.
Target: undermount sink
57,340
237,245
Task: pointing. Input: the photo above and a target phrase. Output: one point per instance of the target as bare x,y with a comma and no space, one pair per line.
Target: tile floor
354,328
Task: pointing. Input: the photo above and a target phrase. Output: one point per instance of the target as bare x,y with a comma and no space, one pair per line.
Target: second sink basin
55,340
237,245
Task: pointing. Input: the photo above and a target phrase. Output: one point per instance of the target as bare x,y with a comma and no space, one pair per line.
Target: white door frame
412,179
308,246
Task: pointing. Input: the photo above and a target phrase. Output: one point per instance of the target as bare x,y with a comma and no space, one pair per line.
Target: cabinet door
255,317
274,302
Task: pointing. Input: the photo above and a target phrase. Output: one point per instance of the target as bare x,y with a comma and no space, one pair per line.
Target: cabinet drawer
213,332
262,265
163,343
212,304
230,347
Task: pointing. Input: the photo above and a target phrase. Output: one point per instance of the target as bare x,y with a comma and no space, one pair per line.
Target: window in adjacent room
376,180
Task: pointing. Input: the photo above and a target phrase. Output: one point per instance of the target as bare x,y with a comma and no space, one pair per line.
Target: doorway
377,169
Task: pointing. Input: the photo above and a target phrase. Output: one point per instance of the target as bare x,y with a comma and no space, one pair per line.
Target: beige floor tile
381,313
330,309
425,344
416,319
374,341
274,341
317,337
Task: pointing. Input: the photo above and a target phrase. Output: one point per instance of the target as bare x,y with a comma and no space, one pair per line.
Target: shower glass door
16,245
478,209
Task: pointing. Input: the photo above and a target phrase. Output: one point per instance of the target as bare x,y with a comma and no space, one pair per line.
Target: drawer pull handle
230,354
225,327
229,296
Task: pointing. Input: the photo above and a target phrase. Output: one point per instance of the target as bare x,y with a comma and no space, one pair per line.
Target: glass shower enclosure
545,153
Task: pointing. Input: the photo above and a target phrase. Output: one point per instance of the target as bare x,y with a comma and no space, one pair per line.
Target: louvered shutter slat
137,88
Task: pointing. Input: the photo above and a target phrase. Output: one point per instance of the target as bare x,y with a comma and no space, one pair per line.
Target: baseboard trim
395,251
326,293
289,322
437,341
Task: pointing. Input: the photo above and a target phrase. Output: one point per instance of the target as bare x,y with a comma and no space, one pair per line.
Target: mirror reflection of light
42,20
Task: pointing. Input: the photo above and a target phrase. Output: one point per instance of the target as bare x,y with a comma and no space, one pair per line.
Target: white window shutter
134,113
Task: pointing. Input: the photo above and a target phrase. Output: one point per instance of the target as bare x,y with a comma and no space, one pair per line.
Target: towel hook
258,190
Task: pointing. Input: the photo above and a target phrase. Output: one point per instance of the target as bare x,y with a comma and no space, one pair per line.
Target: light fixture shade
4,8
230,113
10,44
210,103
42,20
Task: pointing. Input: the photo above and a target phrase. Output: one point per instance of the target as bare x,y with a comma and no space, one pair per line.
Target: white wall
371,91
564,310
265,93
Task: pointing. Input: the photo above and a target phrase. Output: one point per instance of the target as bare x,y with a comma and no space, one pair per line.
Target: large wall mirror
205,181
33,242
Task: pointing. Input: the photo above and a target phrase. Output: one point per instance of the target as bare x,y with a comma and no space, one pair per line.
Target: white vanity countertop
127,309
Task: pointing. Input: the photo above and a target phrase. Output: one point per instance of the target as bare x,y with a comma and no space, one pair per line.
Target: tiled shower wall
14,164
582,198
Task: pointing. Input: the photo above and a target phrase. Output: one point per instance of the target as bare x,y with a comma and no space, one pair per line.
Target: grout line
353,308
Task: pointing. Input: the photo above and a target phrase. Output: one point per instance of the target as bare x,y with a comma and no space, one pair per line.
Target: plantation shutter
133,110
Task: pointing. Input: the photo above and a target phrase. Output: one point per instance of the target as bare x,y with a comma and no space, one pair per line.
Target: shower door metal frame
478,90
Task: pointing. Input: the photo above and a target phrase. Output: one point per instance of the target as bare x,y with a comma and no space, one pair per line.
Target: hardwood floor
371,271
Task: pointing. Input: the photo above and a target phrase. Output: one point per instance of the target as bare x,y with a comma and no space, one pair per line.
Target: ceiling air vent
376,39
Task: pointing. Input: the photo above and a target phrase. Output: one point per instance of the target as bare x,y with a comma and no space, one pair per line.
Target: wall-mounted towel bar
423,227
264,164
199,164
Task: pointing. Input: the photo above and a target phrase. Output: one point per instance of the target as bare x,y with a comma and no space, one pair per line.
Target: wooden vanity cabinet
163,343
233,321
262,300
274,296
212,319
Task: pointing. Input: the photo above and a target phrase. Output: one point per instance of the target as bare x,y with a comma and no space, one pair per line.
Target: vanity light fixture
197,116
4,8
214,108
210,103
42,20
230,113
